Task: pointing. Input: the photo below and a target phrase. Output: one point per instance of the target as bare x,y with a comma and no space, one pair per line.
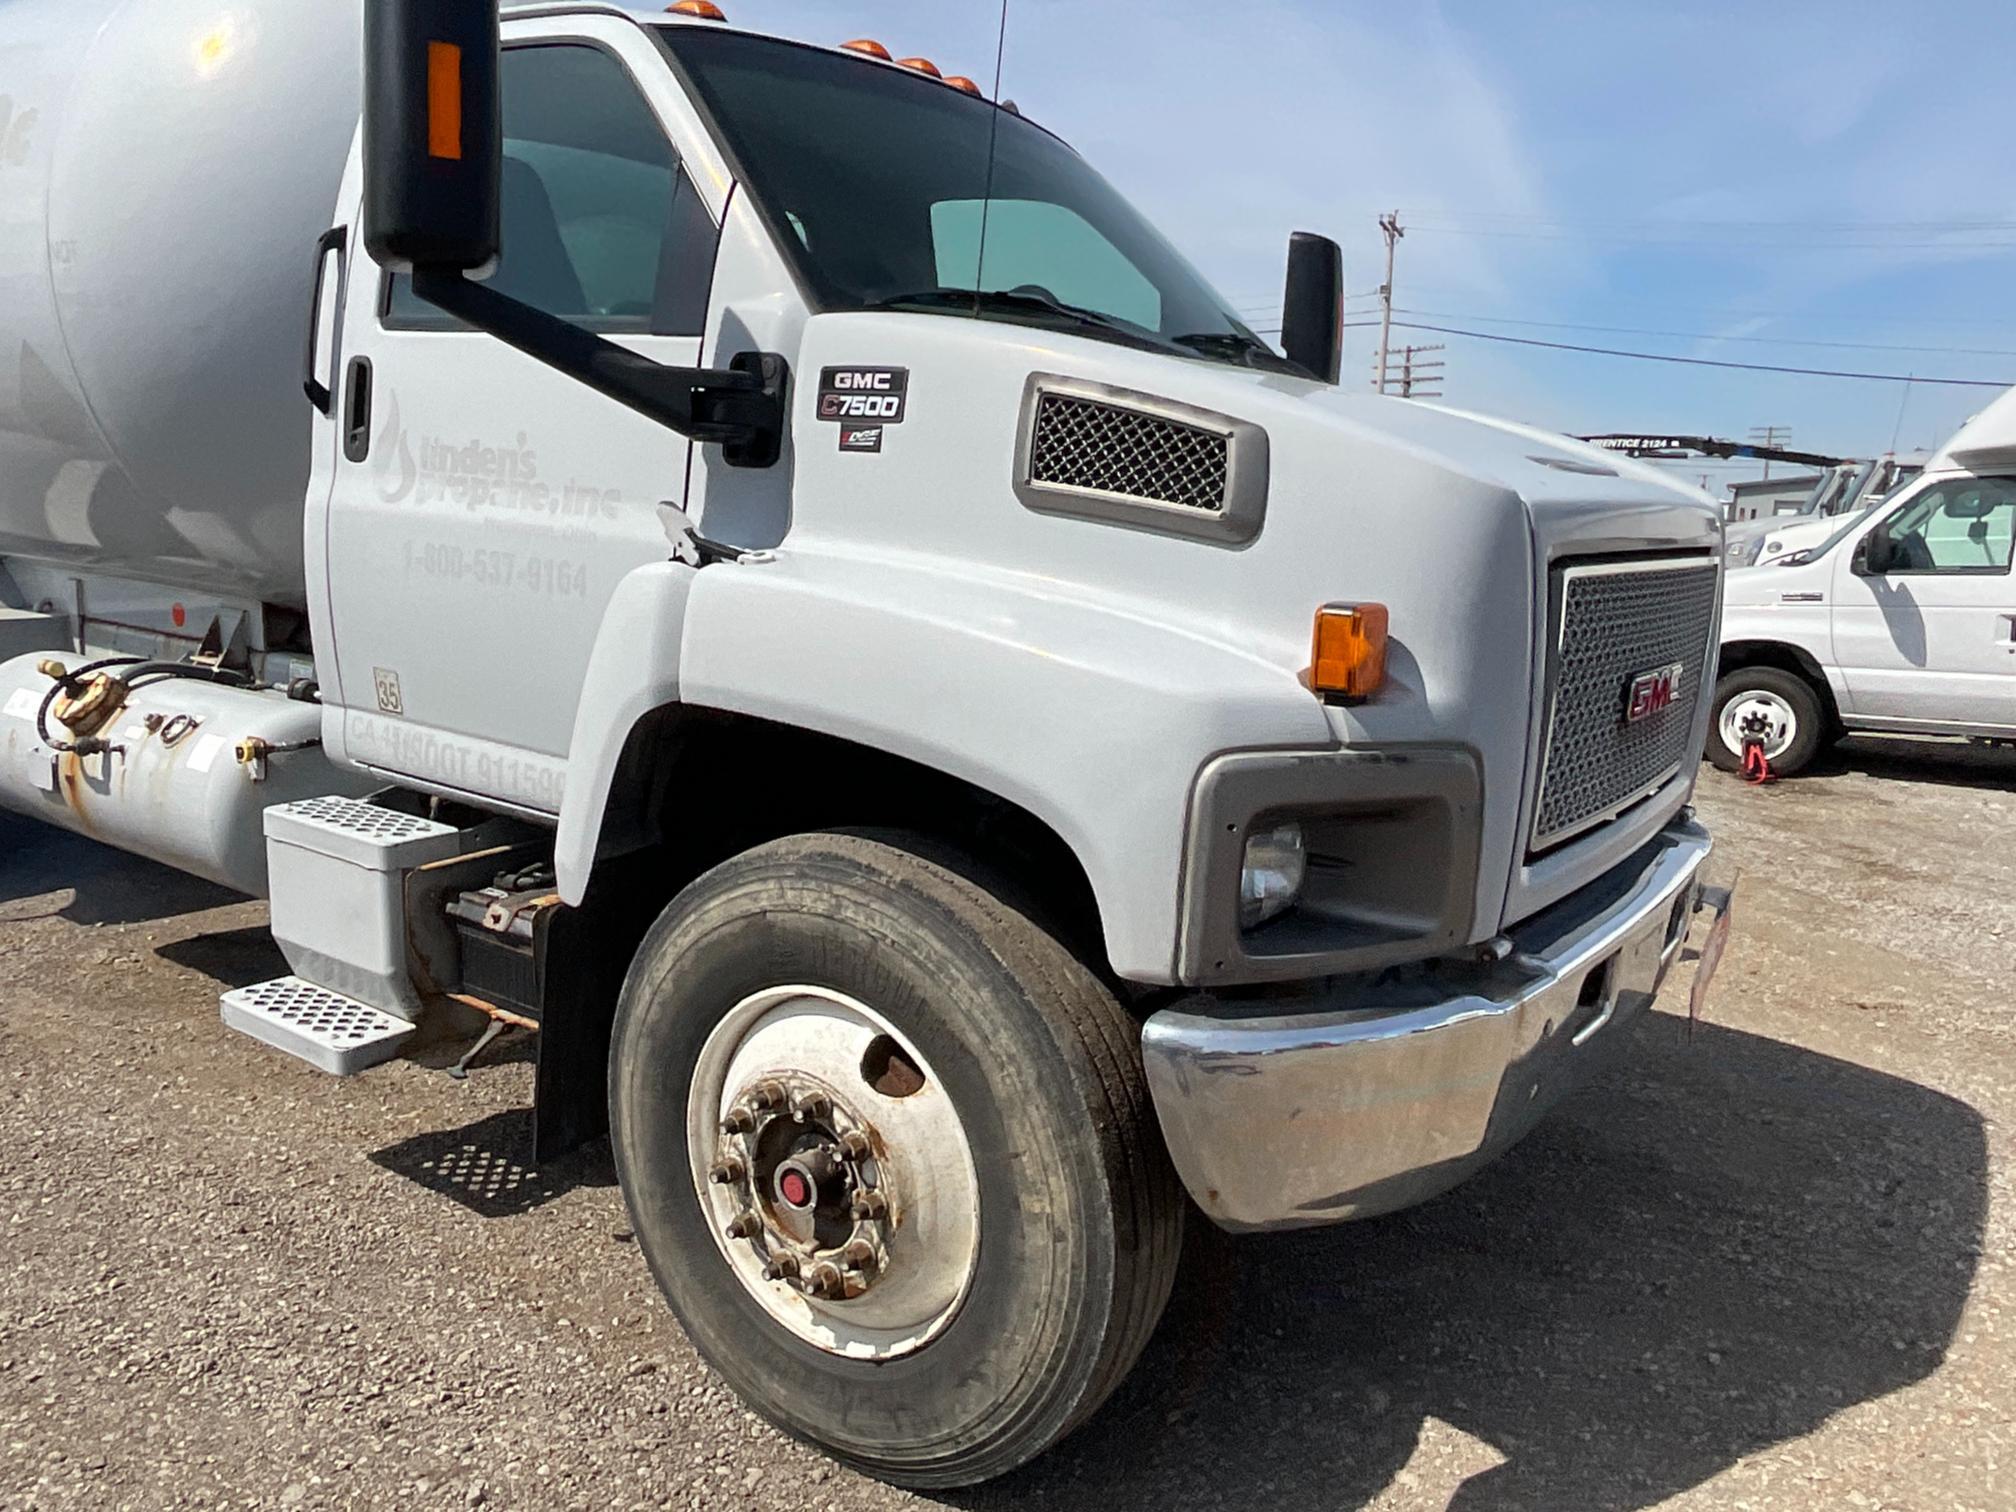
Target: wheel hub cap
1760,716
796,1157
834,1171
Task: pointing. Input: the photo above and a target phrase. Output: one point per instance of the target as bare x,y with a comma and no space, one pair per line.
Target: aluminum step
326,1029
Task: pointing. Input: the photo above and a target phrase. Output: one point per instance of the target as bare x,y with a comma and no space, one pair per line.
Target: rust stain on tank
70,784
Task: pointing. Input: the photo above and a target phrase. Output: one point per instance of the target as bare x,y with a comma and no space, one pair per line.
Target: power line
1709,362
1732,244
1668,222
1751,367
1570,325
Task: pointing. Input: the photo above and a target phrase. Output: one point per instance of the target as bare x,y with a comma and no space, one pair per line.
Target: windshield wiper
1005,301
1242,348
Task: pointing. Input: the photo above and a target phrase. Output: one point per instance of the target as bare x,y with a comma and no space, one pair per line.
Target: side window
602,227
1965,526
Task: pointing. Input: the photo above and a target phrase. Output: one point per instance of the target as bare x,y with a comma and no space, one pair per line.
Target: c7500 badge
863,400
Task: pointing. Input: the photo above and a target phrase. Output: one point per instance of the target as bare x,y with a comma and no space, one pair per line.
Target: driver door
1931,640
486,506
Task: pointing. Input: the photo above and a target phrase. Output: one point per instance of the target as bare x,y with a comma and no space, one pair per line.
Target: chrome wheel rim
1764,715
834,1172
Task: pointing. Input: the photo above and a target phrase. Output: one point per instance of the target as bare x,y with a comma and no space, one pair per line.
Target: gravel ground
1761,1265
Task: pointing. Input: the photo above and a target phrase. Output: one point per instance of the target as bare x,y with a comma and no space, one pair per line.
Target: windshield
1848,526
876,182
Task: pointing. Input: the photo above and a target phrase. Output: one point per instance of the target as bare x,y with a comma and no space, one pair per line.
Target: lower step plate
324,1028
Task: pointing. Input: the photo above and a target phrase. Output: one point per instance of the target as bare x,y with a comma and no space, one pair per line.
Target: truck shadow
487,1166
229,957
1718,1249
107,886
1948,763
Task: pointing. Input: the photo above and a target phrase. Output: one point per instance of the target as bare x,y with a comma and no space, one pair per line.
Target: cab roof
662,15
1987,440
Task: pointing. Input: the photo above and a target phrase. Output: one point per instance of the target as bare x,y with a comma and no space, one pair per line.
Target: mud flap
584,953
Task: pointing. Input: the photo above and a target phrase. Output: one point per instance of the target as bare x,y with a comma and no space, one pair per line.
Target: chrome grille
1614,625
1082,444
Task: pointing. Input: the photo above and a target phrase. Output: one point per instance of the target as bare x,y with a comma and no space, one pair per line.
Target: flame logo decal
392,437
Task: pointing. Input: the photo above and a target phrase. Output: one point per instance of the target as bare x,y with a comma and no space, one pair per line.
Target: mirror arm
741,407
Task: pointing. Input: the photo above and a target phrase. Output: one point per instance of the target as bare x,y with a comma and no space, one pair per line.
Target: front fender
633,670
1093,717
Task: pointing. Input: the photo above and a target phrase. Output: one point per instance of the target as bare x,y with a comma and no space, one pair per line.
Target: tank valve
252,755
84,708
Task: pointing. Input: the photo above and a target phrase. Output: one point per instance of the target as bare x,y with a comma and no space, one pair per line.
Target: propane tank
165,169
172,768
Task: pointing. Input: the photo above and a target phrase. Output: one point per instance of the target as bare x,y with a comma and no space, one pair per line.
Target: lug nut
854,1145
726,1171
826,1280
744,1226
817,1105
767,1095
738,1121
858,1255
870,1205
782,1267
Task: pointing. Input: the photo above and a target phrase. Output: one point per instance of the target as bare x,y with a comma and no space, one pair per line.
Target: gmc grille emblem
1653,692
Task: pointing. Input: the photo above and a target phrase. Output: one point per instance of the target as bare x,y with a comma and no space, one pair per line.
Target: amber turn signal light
1348,656
444,101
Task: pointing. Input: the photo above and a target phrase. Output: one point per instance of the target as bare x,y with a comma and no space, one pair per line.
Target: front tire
889,1152
1780,708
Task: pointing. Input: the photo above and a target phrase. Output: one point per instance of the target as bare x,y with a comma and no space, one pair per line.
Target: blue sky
1755,179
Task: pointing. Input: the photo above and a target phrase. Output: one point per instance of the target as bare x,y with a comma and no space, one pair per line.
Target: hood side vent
1102,453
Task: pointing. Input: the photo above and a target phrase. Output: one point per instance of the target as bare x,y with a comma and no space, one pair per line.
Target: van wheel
889,1152
1779,708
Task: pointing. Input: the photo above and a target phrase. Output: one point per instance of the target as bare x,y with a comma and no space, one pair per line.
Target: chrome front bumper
1347,1101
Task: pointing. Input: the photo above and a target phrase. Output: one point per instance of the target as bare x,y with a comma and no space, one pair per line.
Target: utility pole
1419,376
1772,436
1389,227
1420,379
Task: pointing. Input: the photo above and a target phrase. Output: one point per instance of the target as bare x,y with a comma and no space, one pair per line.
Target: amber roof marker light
869,47
705,10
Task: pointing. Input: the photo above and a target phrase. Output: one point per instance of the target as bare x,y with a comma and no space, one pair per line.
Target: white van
1852,488
1903,620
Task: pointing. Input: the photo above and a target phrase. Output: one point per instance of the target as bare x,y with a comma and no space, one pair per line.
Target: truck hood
1451,520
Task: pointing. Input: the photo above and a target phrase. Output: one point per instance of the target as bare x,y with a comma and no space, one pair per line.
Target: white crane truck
950,742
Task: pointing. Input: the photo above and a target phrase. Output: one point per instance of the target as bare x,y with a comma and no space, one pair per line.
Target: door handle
332,240
357,410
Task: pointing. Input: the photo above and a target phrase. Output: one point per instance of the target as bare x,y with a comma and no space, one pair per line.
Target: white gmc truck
789,590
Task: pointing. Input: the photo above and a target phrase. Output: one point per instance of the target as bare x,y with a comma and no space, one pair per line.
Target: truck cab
1902,620
959,753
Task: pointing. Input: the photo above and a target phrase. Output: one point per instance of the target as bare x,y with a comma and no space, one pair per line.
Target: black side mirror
1312,318
1874,556
433,207
433,134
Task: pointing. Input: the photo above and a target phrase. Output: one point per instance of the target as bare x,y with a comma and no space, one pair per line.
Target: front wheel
888,1150
1777,709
